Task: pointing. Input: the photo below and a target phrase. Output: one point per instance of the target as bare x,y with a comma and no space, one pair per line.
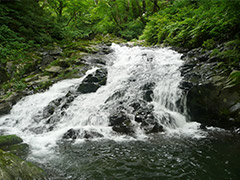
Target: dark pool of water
216,157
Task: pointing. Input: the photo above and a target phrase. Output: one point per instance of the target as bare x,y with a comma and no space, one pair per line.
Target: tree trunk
143,6
155,6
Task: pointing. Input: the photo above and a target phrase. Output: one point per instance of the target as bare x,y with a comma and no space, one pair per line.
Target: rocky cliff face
212,92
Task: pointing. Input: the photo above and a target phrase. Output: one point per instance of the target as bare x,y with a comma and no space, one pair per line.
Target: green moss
12,167
17,149
9,140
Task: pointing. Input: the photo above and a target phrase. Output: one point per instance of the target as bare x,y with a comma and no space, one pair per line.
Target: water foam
128,70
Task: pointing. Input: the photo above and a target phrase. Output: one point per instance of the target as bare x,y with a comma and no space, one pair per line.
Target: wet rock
125,128
118,119
116,95
148,95
148,91
86,134
52,107
203,127
48,111
121,123
210,97
53,119
97,59
145,116
93,81
91,135
136,105
5,108
106,50
71,134
15,97
156,128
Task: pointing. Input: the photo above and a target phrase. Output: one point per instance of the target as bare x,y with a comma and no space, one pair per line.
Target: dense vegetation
27,25
209,24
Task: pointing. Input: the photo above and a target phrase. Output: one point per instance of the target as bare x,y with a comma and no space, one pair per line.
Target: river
180,151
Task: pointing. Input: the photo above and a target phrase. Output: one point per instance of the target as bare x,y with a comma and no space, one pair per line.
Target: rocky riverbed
210,96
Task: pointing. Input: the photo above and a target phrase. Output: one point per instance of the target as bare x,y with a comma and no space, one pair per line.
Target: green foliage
191,24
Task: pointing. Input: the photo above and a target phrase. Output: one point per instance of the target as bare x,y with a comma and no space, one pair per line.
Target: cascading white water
129,69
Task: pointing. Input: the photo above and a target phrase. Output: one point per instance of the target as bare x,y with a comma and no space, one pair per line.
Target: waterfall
148,77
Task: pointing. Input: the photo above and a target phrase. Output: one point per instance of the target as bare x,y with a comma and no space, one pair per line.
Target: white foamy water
129,69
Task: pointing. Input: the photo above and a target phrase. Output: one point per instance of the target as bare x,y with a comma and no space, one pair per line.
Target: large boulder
212,93
93,81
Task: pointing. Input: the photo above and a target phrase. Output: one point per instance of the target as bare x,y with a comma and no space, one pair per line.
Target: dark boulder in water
118,119
93,81
121,123
148,91
156,129
91,135
71,134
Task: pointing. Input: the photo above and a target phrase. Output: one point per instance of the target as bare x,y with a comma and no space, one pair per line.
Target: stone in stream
70,134
148,91
121,123
76,133
6,104
93,81
91,135
5,108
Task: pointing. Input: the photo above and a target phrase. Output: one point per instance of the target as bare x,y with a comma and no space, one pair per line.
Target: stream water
181,151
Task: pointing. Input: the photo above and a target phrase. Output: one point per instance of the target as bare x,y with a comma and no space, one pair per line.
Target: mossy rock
13,167
233,79
7,140
17,149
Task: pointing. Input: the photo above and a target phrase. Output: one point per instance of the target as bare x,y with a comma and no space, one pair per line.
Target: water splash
129,70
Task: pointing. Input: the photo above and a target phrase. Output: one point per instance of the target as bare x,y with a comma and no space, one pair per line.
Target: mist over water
139,155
